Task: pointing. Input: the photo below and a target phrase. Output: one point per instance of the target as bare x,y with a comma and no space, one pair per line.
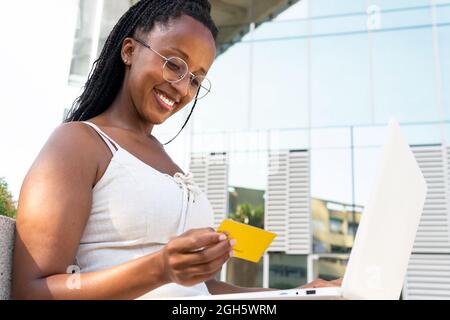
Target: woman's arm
126,281
54,206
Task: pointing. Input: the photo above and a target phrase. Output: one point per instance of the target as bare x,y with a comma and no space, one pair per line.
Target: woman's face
185,38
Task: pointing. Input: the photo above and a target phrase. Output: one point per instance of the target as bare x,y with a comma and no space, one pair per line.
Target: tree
245,273
7,206
248,214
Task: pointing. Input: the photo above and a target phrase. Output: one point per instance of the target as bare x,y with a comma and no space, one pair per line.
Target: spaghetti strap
113,146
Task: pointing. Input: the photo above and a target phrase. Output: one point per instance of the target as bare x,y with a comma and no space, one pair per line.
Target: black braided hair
106,76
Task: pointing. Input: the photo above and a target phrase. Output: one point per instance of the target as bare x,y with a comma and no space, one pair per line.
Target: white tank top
136,210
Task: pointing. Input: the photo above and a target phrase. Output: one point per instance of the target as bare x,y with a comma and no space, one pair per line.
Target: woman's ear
127,51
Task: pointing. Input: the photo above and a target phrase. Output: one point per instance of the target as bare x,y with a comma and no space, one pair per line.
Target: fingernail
222,237
232,242
231,253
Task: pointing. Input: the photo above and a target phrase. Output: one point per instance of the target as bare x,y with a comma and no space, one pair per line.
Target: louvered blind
433,233
428,274
428,277
276,202
287,211
299,237
210,172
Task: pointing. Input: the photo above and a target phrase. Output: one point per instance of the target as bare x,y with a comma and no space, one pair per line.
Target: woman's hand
195,256
319,283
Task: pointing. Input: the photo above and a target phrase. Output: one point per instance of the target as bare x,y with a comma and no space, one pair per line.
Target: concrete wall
7,233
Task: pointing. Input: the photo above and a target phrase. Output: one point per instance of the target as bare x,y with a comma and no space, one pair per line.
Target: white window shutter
428,274
299,217
210,172
199,168
428,277
433,233
276,201
287,211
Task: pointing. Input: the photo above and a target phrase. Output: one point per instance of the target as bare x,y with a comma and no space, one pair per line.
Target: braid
106,76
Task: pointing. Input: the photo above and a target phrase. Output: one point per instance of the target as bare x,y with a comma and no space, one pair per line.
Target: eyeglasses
176,69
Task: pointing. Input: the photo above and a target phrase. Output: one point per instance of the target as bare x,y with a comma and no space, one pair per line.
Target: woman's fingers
211,267
206,255
196,254
195,240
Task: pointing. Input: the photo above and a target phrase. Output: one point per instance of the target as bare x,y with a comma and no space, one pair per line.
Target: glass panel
334,225
322,138
443,18
415,134
398,4
330,268
247,184
287,271
333,216
341,24
404,72
81,55
331,174
226,107
248,170
112,11
208,142
289,139
367,152
279,29
403,14
340,80
247,206
336,7
280,86
245,273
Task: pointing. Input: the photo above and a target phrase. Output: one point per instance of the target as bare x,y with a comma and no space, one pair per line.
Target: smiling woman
103,199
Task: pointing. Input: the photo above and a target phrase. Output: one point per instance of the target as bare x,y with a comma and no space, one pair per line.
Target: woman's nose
182,86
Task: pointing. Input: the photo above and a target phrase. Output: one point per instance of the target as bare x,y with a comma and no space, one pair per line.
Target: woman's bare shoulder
73,133
70,148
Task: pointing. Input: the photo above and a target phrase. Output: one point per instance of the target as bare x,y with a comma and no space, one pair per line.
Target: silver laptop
385,237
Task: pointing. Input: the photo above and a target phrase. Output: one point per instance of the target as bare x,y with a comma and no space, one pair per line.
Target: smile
164,100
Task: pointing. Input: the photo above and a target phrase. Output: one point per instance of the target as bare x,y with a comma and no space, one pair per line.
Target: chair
7,236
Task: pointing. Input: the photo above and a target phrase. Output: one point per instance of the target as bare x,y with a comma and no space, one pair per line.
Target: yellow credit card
251,242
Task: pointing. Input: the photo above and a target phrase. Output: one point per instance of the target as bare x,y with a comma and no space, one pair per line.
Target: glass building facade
324,76
327,76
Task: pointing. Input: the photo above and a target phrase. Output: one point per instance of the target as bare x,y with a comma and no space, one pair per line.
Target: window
335,225
96,18
246,205
287,271
244,273
81,56
330,268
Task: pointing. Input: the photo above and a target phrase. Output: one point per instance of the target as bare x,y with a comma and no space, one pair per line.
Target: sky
257,86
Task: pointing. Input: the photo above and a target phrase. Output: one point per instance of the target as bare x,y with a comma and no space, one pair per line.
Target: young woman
103,199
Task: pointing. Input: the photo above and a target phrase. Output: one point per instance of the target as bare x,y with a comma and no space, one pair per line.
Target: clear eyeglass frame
176,69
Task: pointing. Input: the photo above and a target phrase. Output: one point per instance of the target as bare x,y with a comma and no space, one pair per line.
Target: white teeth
166,99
